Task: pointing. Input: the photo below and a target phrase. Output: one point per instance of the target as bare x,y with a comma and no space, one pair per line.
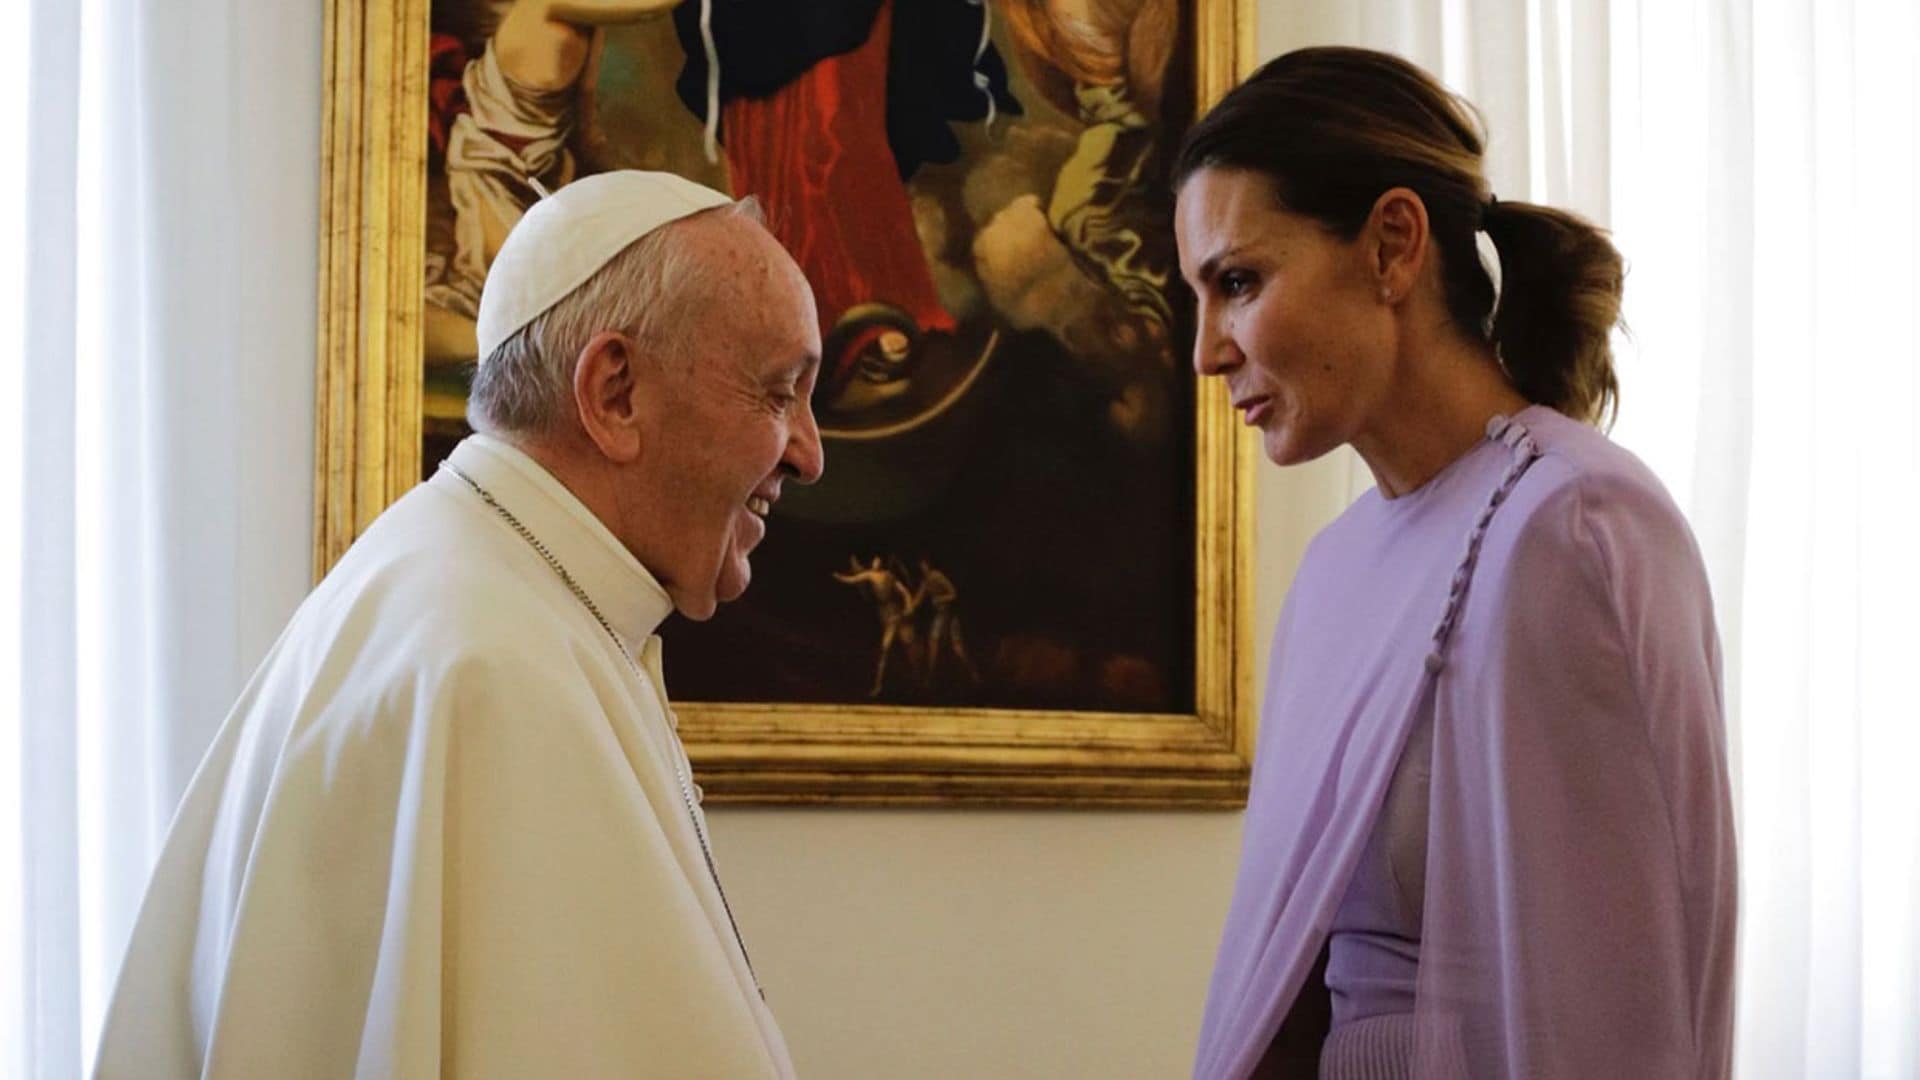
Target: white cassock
443,831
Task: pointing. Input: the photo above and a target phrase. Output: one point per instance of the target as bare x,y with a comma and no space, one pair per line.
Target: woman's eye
1235,283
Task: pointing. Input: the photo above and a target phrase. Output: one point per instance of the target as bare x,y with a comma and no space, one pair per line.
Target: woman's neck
1435,415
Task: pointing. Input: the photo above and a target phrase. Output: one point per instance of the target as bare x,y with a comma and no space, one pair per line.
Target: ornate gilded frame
368,445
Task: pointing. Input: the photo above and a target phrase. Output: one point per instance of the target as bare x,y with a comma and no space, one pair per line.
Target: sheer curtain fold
157,480
46,925
1829,594
119,713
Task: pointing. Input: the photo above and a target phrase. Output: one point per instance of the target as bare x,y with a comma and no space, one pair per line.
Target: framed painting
1024,577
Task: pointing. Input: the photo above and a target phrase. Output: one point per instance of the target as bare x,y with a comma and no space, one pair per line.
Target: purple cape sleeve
1580,871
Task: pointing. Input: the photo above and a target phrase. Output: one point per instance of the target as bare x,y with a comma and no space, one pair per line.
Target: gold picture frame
369,403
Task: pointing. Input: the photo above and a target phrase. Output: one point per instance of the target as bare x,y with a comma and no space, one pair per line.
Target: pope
449,828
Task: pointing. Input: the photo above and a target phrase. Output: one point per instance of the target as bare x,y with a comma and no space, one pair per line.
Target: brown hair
1334,128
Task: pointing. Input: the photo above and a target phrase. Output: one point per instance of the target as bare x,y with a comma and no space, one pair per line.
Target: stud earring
1386,296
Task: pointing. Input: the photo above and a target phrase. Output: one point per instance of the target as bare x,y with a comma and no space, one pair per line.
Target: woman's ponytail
1559,302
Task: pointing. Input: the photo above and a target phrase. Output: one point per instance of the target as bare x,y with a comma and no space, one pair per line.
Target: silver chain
680,773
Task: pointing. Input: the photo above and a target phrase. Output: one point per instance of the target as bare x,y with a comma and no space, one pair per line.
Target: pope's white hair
525,386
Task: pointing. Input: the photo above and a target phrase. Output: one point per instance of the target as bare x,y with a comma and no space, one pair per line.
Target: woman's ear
1396,238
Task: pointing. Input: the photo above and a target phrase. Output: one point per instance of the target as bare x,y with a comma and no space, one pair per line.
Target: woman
1490,799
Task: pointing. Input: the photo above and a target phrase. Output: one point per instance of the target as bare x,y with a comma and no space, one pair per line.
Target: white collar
628,595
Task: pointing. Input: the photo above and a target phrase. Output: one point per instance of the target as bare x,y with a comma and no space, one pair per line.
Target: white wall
893,943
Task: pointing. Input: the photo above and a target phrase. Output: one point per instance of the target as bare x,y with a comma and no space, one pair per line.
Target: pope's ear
607,391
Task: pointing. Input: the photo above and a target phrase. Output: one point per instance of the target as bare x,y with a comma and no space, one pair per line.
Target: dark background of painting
1071,549
1057,496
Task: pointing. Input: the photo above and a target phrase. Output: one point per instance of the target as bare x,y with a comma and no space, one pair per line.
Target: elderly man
449,828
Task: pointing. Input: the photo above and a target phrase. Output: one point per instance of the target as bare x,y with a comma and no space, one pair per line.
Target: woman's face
1290,315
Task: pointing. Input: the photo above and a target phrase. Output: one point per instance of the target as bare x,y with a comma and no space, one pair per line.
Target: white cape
442,832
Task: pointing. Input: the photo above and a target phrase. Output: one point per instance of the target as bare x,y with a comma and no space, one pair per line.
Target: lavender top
1543,600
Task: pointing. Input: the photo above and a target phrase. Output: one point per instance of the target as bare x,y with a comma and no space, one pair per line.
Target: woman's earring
1386,295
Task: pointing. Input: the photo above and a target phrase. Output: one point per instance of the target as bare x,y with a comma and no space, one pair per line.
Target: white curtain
1756,159
156,328
1765,179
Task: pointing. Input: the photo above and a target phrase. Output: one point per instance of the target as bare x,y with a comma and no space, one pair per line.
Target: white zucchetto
565,237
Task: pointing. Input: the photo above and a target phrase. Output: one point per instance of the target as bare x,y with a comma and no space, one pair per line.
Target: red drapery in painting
816,154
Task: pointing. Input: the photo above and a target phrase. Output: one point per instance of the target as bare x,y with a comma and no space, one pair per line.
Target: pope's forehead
748,256
754,285
742,251
728,233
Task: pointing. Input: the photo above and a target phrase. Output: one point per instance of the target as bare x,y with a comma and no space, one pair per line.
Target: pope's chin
699,604
735,575
727,583
696,604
